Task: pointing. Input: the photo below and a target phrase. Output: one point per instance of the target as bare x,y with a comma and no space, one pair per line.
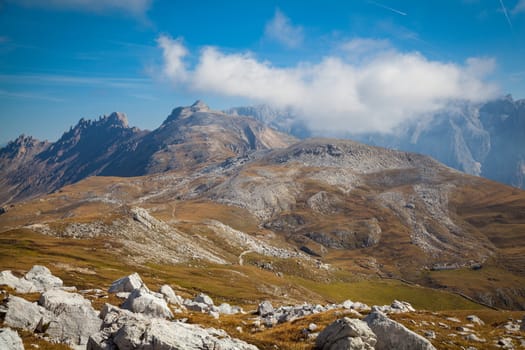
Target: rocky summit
216,231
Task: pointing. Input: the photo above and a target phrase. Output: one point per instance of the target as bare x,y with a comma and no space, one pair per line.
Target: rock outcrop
125,330
346,334
393,335
38,279
10,340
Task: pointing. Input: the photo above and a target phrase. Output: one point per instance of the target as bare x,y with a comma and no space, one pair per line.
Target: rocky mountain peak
117,119
21,145
199,106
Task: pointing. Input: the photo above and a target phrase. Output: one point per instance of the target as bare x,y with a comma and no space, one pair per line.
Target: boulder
21,285
226,309
125,330
194,306
396,307
265,308
393,335
169,295
43,279
23,314
143,301
475,319
10,340
204,299
127,284
74,319
346,334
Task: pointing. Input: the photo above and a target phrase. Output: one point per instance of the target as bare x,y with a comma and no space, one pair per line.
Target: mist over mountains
482,139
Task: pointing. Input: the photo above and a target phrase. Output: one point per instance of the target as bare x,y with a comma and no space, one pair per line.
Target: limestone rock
393,335
346,334
125,330
170,296
204,299
127,284
10,340
42,278
475,319
265,308
74,319
25,315
396,307
21,285
143,301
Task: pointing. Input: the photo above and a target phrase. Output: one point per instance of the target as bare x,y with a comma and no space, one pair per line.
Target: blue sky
362,65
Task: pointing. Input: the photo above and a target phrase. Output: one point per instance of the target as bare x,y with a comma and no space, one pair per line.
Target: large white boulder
393,335
21,285
143,301
170,296
125,330
346,334
23,314
265,308
43,279
127,284
10,340
74,318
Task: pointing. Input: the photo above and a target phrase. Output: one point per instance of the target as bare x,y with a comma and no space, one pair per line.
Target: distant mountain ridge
480,139
189,138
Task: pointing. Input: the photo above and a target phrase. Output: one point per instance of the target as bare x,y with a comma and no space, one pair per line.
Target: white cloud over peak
334,94
133,7
281,29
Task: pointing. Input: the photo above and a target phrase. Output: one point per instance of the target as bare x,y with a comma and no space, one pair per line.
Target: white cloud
375,95
520,7
281,29
133,7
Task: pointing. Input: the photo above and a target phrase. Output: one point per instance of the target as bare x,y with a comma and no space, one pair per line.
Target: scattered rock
312,327
396,307
143,301
170,296
10,340
505,343
125,330
453,319
74,319
475,338
23,314
204,299
393,335
346,334
430,334
127,284
42,278
265,308
475,319
21,285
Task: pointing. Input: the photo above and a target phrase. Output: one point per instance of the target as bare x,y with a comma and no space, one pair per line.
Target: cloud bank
132,7
335,94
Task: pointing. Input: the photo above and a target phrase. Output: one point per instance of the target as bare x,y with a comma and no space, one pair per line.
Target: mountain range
485,139
208,187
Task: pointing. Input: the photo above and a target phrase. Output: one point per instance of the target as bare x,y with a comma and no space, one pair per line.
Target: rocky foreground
148,320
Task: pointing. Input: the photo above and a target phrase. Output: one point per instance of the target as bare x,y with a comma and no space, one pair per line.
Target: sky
355,65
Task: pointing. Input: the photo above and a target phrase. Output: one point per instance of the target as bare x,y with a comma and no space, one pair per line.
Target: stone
358,306
194,306
265,308
125,330
42,278
169,295
21,285
475,338
25,315
312,327
475,319
204,299
346,334
143,301
430,334
74,318
347,304
10,340
506,343
225,309
127,284
393,335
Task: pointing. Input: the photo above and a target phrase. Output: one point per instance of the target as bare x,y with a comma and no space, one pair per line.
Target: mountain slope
191,137
480,139
320,211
